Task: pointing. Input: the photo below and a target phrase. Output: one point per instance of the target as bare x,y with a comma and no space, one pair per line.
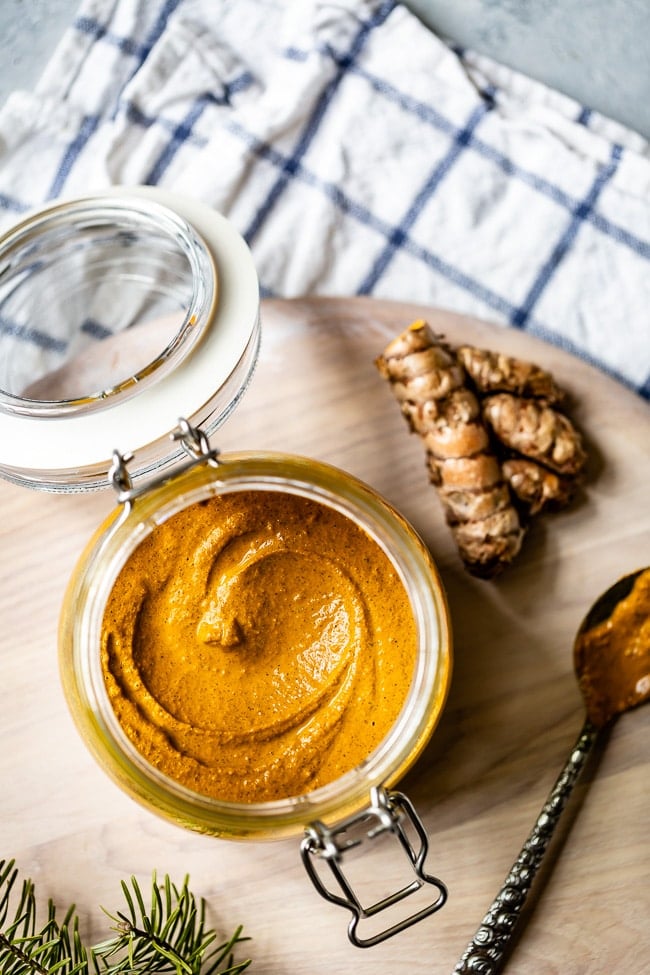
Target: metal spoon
611,658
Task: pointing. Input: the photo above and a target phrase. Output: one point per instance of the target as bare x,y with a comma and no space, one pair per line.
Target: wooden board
512,716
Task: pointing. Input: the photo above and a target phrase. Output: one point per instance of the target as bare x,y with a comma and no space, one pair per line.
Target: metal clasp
194,442
388,812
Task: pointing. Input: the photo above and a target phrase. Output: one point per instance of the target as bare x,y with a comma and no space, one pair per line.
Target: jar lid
118,314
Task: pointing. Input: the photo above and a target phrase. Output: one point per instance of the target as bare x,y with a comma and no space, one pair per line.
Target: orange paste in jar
257,645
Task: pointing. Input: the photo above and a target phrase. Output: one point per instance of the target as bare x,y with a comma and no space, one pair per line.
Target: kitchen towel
358,154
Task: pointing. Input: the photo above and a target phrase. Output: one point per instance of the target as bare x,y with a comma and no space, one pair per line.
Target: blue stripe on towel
579,216
11,203
184,131
125,45
180,135
314,121
429,115
128,45
454,139
160,23
399,236
370,220
74,149
426,113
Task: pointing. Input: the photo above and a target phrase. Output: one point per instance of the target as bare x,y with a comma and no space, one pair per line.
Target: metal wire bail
387,812
194,442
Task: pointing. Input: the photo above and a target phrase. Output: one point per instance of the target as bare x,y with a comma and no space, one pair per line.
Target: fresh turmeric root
536,431
528,423
535,486
495,439
494,372
429,385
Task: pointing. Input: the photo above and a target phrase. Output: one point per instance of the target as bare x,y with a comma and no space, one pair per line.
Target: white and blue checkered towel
358,154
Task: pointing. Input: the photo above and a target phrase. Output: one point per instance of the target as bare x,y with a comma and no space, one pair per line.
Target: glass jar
117,314
95,575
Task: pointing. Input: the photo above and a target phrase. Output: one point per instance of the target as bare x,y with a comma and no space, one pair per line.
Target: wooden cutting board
512,716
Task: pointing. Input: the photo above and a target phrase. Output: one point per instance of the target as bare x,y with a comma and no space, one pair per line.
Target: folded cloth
358,154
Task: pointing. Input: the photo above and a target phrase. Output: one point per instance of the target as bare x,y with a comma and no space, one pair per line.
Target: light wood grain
512,716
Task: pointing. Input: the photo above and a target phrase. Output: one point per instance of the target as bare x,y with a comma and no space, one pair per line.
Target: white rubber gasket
81,441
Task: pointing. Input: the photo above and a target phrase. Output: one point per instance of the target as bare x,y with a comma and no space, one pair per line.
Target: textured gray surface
29,32
594,50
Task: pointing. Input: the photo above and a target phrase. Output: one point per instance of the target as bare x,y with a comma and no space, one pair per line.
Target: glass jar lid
118,313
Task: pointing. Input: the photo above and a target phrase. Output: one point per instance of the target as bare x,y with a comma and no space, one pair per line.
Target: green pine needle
169,935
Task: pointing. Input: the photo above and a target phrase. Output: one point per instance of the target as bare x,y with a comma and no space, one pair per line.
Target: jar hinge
387,812
194,442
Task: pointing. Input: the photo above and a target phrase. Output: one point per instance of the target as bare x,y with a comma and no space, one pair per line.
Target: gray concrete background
29,32
593,50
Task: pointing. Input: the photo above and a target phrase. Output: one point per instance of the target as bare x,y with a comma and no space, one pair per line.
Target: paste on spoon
257,645
612,659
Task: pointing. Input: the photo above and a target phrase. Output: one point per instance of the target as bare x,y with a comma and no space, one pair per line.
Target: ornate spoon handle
486,952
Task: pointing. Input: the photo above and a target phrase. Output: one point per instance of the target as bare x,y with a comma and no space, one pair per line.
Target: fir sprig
169,935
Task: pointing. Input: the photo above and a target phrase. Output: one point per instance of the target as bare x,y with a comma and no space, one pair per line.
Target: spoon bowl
611,653
611,657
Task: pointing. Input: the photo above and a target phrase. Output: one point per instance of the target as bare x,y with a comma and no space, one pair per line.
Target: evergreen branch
26,950
169,936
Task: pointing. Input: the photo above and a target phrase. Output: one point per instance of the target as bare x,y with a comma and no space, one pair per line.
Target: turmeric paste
257,645
612,659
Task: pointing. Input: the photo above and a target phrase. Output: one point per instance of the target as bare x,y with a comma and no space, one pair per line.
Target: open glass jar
94,578
59,434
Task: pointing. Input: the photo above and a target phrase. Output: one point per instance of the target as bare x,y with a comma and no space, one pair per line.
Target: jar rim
42,237
386,763
70,447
